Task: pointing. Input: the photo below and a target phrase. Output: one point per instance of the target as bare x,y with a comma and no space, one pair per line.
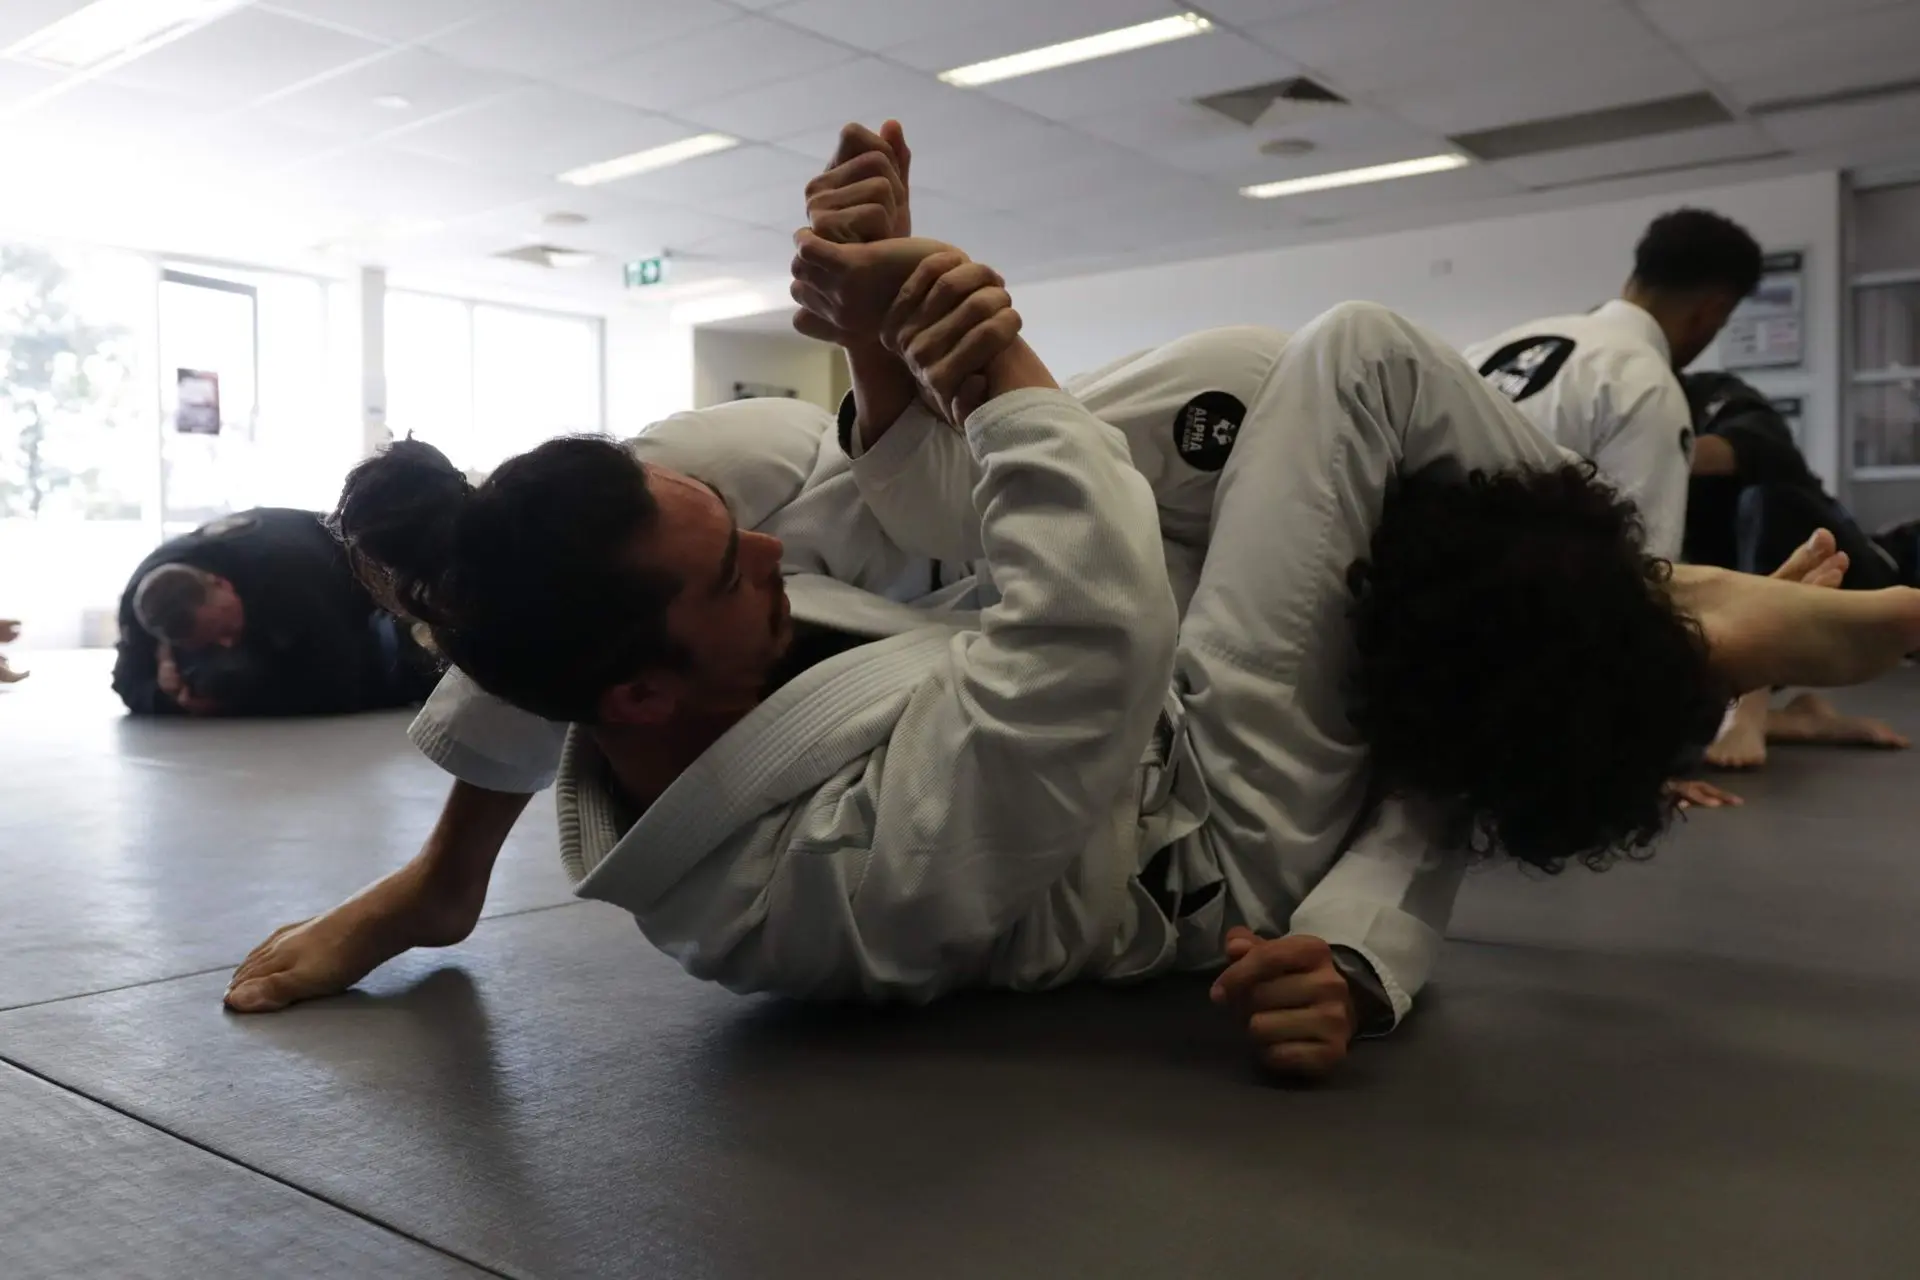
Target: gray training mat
1707,1065
85,1192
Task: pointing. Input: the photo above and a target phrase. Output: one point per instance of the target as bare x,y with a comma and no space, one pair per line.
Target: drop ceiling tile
1247,12
877,25
936,118
1212,63
868,89
1190,138
539,132
1848,125
1556,85
398,21
618,230
243,56
1060,164
1709,21
115,118
713,62
1375,45
780,207
387,184
546,37
748,251
1842,51
1016,31
1716,144
348,105
18,82
21,18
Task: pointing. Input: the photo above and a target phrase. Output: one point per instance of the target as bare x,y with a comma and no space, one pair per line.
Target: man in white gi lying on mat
807,766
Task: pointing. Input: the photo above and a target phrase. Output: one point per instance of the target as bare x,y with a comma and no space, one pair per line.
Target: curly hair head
1521,663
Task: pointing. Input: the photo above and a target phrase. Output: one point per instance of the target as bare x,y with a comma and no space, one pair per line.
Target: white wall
723,357
1466,282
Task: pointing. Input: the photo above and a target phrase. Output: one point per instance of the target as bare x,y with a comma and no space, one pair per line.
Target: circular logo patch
1686,442
1205,429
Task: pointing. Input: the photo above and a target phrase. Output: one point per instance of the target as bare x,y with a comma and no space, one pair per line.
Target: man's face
730,615
222,618
1702,324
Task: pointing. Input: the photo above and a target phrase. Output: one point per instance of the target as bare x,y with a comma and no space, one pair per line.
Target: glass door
209,346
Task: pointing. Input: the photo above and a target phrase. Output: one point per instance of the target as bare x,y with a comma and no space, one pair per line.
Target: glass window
1886,327
536,376
482,382
78,448
1886,424
429,361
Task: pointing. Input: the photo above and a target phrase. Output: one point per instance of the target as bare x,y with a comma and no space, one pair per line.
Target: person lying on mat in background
799,786
259,614
1604,384
9,632
1751,500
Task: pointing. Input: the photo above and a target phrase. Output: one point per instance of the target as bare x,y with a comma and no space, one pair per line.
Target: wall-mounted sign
1768,330
646,271
196,408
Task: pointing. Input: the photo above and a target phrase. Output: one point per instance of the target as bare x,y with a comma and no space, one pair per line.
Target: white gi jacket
1603,386
956,807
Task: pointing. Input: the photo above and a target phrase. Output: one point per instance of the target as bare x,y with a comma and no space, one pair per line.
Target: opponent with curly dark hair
1520,660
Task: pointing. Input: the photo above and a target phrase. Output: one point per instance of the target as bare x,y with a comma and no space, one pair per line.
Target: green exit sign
646,271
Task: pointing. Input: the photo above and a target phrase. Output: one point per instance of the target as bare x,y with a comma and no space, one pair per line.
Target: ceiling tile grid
377,112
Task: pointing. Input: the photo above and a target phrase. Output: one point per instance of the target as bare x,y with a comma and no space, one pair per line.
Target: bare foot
1697,793
9,676
1810,718
329,953
9,631
1768,632
1742,743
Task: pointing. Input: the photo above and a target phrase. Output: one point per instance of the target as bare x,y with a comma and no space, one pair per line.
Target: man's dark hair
1521,663
167,602
531,583
1694,251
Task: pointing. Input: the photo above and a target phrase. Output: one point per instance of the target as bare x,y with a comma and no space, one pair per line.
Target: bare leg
1810,718
1766,632
1742,743
433,901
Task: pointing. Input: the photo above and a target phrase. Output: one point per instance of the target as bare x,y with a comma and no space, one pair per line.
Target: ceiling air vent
1247,106
546,255
1839,98
1595,128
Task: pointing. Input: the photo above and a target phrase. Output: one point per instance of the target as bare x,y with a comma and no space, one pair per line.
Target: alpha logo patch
227,524
1205,429
1525,367
1686,443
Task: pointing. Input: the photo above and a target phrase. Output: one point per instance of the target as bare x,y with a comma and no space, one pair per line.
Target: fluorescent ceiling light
117,31
1356,177
642,161
1085,49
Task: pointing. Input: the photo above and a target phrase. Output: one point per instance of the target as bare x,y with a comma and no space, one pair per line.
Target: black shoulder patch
1205,429
228,524
1525,367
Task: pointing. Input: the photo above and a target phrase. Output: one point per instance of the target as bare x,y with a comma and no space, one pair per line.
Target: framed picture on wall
196,407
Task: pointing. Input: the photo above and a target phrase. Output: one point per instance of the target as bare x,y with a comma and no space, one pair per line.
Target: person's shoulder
1234,360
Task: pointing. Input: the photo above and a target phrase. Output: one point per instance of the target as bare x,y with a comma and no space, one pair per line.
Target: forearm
1018,368
883,389
1714,456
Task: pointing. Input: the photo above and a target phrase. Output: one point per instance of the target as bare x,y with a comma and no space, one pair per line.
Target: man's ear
650,700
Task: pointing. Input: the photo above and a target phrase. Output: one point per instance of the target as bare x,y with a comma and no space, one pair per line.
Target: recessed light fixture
1286,147
393,102
613,170
116,31
1356,177
1085,49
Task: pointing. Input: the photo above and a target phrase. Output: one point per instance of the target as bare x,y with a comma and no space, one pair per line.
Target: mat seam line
237,1162
221,968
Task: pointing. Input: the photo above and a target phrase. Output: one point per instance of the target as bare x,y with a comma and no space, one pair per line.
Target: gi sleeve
919,481
1388,899
1012,762
1647,457
485,742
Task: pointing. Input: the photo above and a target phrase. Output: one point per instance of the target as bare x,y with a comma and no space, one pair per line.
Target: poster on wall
763,391
1768,330
196,409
